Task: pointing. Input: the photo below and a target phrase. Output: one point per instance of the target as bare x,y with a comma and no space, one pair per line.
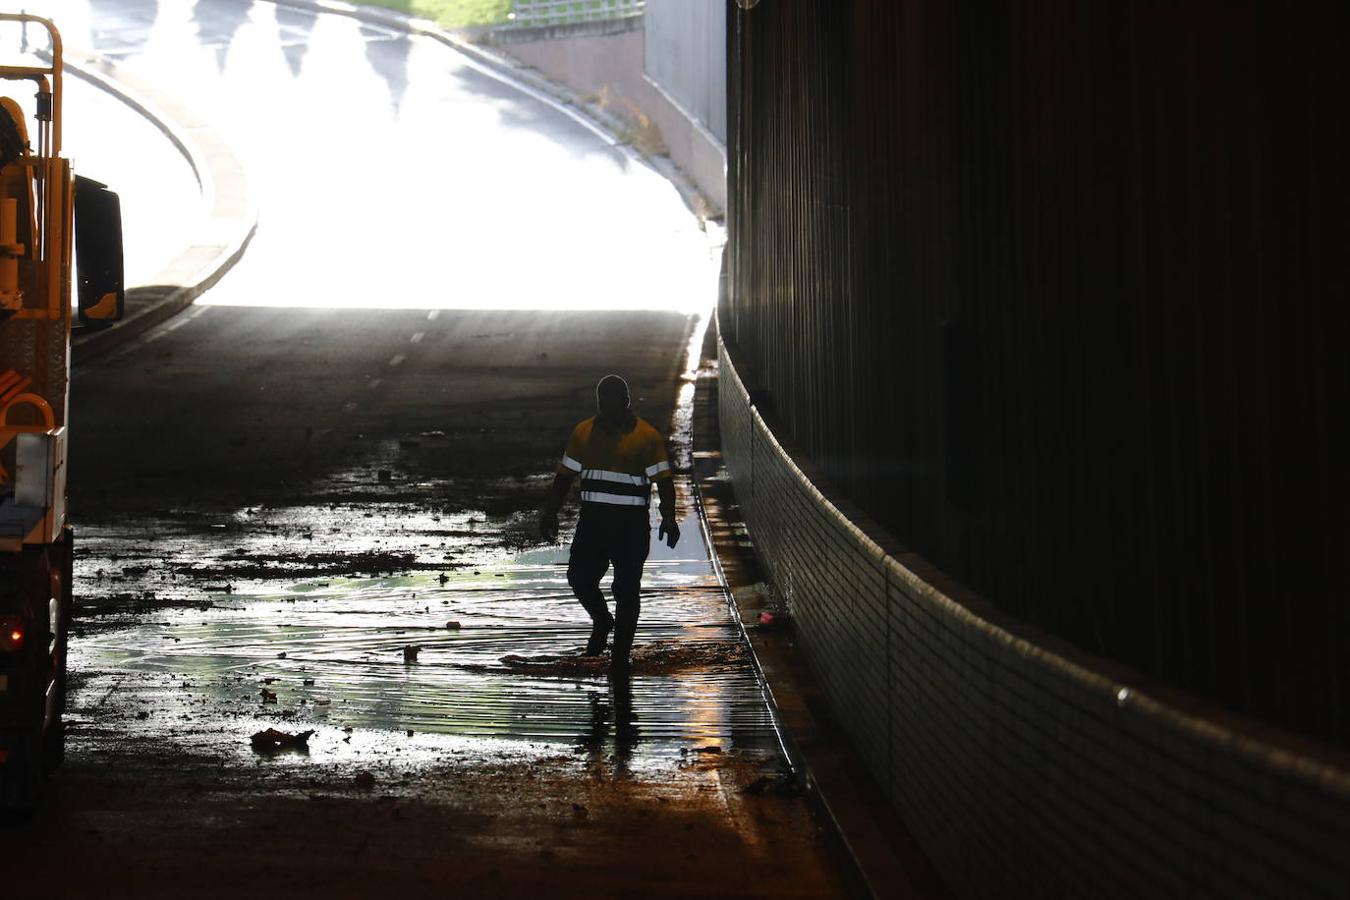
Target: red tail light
11,634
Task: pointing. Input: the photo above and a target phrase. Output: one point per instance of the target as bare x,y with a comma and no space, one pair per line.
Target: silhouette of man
618,455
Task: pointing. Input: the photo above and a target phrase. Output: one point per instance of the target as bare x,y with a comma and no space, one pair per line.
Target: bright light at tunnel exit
477,285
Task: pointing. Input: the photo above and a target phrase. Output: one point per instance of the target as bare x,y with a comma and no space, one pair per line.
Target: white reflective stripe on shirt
570,463
653,471
613,499
620,477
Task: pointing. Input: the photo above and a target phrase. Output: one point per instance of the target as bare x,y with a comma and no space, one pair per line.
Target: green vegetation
450,13
470,13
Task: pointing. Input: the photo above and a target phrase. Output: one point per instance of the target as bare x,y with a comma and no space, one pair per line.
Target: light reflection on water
333,648
196,673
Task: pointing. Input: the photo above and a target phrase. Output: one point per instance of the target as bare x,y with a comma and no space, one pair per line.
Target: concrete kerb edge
521,77
796,762
85,66
212,171
881,873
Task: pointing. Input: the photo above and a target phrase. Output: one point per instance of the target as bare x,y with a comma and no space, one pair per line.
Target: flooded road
206,636
309,503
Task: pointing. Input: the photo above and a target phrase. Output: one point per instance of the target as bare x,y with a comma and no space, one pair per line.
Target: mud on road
473,822
373,577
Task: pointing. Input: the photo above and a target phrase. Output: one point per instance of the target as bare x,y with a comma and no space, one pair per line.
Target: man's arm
665,492
548,519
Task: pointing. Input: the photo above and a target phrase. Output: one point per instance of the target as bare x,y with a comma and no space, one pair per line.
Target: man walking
618,456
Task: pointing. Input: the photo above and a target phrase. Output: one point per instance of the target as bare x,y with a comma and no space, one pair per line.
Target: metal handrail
39,73
47,166
525,13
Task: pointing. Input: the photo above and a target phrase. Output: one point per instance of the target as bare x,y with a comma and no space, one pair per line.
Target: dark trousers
617,535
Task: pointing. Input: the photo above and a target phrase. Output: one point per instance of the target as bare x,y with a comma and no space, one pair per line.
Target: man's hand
548,524
665,489
548,517
668,530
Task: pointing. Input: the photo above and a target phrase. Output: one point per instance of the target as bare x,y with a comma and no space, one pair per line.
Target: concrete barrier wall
687,57
608,66
1020,766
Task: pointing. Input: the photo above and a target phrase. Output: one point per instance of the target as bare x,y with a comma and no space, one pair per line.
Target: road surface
308,503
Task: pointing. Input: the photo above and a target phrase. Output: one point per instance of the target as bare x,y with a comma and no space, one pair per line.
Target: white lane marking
417,337
396,360
156,333
433,315
374,383
178,322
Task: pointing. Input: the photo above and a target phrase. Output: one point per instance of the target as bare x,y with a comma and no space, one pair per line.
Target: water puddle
655,658
392,630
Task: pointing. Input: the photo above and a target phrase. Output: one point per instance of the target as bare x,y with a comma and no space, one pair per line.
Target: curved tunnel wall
1056,292
1054,295
1020,769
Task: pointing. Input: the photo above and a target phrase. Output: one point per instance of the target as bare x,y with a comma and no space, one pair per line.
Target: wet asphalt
479,205
307,503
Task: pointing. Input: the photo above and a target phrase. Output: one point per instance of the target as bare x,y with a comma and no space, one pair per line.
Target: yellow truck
59,235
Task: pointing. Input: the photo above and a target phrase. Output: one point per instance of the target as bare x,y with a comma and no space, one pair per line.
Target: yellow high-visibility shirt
617,467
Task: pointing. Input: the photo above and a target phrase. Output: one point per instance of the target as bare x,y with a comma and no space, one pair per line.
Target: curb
885,859
519,76
230,215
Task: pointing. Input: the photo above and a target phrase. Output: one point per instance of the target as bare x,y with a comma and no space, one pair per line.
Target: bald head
611,399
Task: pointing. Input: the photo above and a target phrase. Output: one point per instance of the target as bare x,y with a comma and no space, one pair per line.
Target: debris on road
768,620
783,784
273,740
650,658
410,653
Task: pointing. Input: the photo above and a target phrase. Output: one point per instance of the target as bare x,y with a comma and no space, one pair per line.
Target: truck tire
21,777
54,741
54,746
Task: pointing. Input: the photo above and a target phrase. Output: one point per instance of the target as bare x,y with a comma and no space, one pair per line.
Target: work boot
623,645
599,636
